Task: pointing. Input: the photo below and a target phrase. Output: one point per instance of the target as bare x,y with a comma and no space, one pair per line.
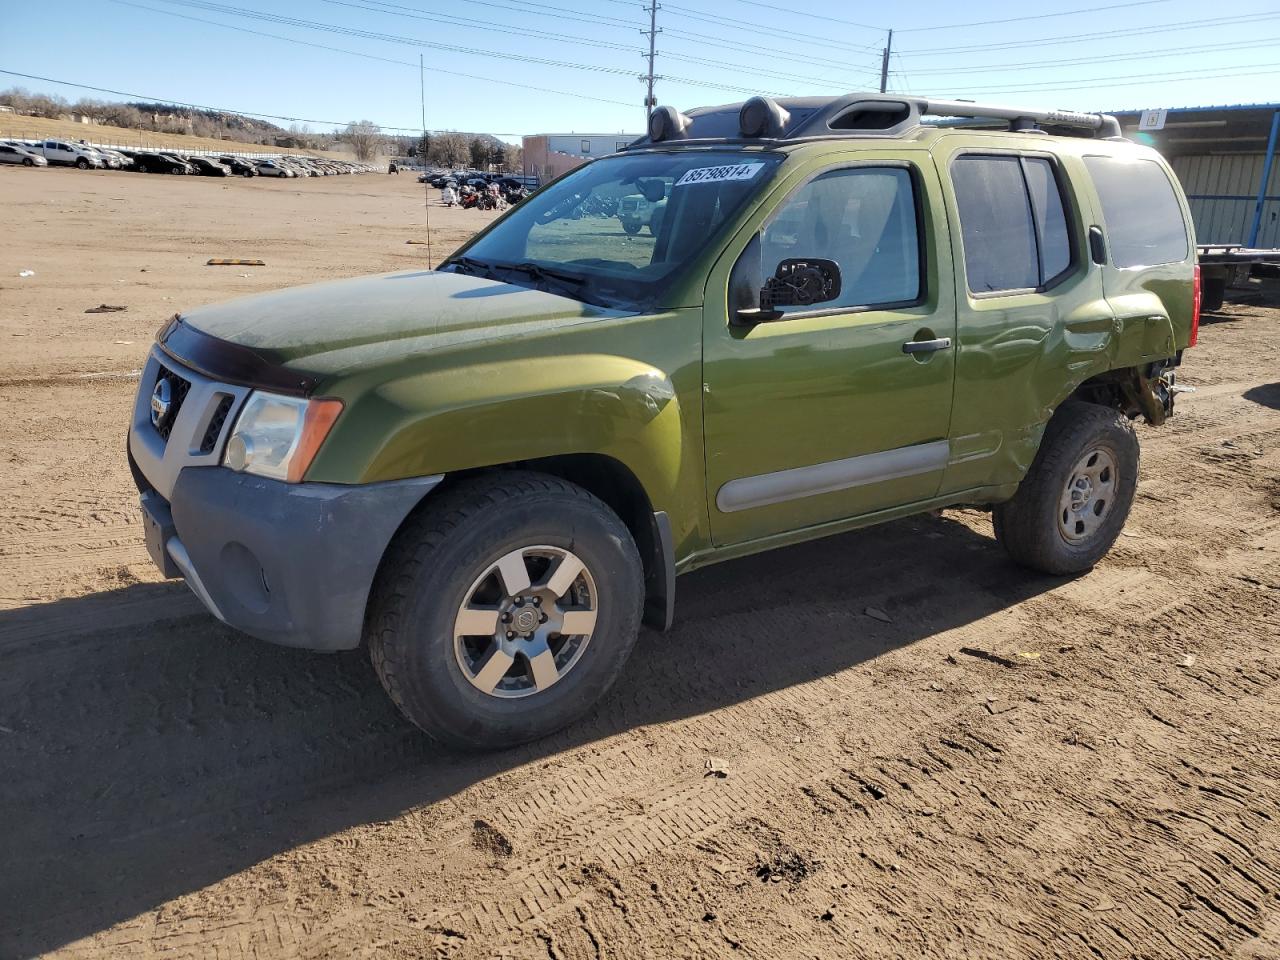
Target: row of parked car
40,153
478,179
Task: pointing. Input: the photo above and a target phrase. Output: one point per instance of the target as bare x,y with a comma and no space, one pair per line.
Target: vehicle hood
334,328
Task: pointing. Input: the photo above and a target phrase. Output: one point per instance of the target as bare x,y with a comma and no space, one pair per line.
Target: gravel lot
1011,765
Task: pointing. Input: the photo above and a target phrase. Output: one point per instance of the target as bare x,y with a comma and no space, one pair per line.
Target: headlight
277,436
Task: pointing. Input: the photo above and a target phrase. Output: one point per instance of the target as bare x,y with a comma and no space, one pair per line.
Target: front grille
214,430
179,387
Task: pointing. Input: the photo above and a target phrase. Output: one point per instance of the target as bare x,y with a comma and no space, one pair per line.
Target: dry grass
35,128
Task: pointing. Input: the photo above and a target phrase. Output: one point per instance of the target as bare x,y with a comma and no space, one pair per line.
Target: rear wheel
1214,292
1073,502
505,610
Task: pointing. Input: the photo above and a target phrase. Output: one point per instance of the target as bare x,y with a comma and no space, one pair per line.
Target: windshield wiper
471,265
538,272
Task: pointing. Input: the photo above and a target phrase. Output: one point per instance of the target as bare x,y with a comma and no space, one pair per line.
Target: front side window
1141,211
1013,222
863,218
617,231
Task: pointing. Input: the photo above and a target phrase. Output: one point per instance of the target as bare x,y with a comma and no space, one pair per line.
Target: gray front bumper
288,563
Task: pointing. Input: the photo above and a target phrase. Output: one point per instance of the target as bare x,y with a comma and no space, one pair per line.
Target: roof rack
1023,119
854,114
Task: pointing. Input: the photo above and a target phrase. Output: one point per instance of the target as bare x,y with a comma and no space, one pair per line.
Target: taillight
1195,309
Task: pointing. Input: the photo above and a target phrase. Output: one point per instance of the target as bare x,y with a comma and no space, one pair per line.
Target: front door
841,408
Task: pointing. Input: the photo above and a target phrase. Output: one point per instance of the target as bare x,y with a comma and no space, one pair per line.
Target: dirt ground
990,764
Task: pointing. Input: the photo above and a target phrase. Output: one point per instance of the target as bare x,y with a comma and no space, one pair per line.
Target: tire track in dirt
1092,799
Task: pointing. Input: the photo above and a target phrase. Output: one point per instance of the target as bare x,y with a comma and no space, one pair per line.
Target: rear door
1030,304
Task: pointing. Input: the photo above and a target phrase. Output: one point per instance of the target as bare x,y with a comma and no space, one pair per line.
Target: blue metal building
1225,157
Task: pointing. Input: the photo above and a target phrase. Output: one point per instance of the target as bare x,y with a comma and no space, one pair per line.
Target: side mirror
796,283
652,189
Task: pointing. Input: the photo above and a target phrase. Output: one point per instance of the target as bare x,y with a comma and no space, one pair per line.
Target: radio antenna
426,186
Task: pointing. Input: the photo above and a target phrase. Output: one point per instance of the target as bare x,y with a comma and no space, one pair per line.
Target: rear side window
1013,222
1143,218
1052,236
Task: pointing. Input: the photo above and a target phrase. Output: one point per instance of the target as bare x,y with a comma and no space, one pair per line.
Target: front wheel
505,609
28,162
1073,502
631,227
82,163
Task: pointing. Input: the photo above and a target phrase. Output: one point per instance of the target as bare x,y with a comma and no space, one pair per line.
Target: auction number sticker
728,171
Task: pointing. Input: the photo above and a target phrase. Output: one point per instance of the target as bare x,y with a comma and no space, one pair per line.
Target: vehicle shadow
1268,395
142,762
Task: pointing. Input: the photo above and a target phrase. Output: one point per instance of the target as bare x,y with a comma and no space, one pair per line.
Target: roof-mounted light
667,123
762,117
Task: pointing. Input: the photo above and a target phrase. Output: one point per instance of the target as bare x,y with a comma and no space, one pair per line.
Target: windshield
616,232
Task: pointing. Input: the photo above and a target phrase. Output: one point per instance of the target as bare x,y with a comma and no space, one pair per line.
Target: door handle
926,346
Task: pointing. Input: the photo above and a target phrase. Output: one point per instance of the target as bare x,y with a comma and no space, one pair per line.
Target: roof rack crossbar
1104,123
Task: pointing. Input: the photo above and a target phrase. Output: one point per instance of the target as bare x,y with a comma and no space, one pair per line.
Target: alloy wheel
525,622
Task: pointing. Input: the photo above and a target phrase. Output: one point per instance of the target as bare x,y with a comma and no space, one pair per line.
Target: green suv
853,309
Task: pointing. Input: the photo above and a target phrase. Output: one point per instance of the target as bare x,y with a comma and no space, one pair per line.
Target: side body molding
768,488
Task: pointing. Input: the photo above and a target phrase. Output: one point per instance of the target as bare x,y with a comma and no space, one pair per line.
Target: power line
565,13
717,65
142,98
771,30
1140,78
820,16
453,48
1154,55
368,56
464,23
575,39
1034,16
389,38
411,41
704,39
1058,40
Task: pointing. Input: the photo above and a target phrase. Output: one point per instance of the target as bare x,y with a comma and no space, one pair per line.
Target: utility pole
649,101
426,187
884,62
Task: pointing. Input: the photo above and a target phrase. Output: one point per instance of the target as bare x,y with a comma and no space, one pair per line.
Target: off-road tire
1028,525
1213,292
432,564
82,163
631,228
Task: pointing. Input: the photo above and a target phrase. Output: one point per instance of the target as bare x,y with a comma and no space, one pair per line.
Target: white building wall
589,145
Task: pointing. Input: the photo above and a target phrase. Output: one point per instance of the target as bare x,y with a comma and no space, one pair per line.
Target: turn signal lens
316,424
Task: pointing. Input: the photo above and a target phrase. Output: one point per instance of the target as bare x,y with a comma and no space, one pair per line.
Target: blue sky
514,67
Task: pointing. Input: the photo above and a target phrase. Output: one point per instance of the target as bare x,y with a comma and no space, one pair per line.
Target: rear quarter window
1143,219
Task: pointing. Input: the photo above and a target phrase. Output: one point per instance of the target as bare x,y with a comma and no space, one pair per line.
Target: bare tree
365,138
448,149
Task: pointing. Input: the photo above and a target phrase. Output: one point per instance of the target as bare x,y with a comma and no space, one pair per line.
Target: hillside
36,128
